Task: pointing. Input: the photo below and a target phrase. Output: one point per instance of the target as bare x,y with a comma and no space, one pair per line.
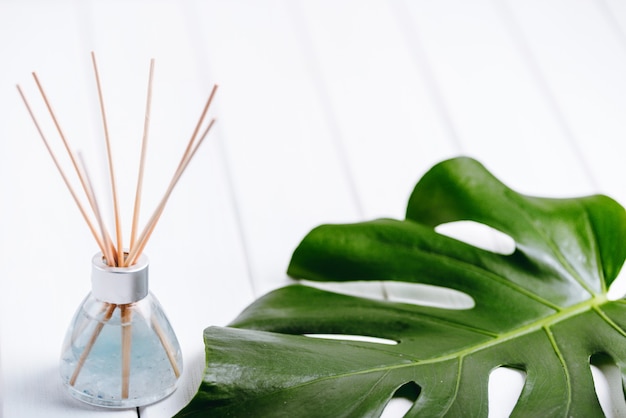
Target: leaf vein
609,321
557,351
466,265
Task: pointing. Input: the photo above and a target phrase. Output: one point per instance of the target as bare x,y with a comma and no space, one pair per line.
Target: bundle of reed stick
112,249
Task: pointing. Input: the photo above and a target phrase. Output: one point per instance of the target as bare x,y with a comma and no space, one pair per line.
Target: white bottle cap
119,285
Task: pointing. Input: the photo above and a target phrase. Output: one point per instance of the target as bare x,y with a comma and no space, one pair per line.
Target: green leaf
542,309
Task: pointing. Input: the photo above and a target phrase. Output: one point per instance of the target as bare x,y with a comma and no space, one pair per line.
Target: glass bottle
120,350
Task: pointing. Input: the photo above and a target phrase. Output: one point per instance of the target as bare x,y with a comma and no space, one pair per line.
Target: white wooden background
328,111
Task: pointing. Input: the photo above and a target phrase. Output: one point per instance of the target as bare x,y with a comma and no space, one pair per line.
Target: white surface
328,111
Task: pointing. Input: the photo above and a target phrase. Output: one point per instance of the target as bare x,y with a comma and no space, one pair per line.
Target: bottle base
105,402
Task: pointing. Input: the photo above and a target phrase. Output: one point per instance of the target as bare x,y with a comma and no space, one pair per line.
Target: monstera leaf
542,309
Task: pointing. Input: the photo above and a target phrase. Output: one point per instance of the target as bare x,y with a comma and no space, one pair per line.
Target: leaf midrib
544,323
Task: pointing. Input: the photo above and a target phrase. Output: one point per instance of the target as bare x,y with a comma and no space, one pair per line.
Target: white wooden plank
379,98
583,60
287,174
499,110
614,12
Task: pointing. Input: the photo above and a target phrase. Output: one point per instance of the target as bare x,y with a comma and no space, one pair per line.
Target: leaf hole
403,292
361,338
403,399
607,381
505,387
479,235
427,295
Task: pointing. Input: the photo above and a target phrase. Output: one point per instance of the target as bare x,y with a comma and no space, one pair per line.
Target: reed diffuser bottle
120,350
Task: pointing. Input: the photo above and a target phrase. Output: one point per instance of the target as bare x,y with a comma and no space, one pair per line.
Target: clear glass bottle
120,350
